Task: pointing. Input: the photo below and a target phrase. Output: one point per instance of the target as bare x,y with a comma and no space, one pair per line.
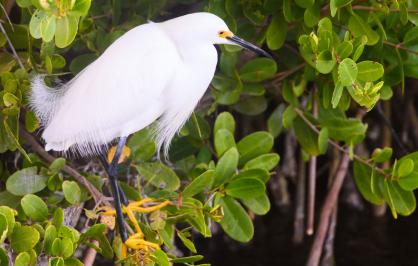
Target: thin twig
299,112
400,47
282,75
30,140
12,47
298,224
312,177
327,208
90,256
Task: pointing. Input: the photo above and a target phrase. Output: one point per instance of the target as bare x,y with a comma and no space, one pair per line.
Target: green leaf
24,3
276,32
81,7
274,122
26,181
24,238
304,3
236,223
159,257
245,188
34,207
344,49
49,237
199,184
4,229
97,232
66,30
58,217
325,62
254,145
226,167
411,37
9,214
306,137
382,155
56,262
72,192
187,242
336,94
159,175
260,205
258,69
265,161
289,115
409,182
73,262
253,105
57,165
347,72
405,167
224,140
225,121
48,26
35,24
4,258
323,140
31,121
359,27
363,179
23,259
188,259
400,201
369,71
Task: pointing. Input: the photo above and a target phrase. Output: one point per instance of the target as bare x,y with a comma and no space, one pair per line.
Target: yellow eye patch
224,33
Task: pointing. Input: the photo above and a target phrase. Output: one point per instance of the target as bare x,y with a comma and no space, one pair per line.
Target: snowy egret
156,71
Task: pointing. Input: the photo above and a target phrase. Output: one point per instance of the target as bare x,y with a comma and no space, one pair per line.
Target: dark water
361,239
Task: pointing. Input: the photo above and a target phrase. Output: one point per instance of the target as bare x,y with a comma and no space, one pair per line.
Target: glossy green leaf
34,207
66,30
323,140
26,181
382,155
260,205
188,259
400,201
359,27
325,62
187,242
4,258
306,137
347,72
265,161
49,237
9,214
199,184
159,175
274,122
23,259
48,27
405,167
369,71
224,140
245,188
254,145
344,50
226,167
363,179
236,223
258,69
159,257
72,191
276,32
24,238
4,229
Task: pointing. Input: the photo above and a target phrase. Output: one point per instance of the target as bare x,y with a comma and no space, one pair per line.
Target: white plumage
154,71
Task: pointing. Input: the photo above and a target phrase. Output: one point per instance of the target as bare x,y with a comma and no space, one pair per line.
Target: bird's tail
43,99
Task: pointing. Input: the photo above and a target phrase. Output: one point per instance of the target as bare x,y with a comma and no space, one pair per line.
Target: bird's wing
121,87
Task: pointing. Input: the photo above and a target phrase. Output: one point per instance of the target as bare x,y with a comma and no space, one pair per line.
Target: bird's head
207,27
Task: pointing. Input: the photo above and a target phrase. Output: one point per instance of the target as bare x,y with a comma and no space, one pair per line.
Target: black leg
124,199
112,172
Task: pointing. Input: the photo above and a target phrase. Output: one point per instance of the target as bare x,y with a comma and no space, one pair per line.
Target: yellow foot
126,151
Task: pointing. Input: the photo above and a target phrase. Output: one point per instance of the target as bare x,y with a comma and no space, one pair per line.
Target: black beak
248,46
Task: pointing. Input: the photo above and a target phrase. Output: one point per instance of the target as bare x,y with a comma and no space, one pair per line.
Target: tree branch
327,208
299,112
30,140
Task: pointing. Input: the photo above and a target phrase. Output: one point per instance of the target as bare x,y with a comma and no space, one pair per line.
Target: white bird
156,71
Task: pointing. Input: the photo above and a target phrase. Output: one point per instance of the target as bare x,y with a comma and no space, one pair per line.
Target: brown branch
373,9
327,208
312,177
97,195
90,255
284,74
299,112
400,47
298,224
